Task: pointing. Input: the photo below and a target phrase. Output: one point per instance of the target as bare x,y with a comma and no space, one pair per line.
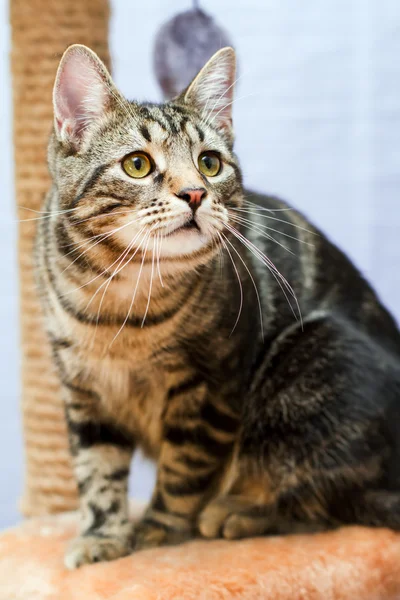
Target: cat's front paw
149,533
95,548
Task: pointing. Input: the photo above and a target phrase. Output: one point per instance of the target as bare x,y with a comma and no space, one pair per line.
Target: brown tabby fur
257,427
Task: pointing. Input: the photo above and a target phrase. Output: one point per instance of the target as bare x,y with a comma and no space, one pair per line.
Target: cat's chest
134,395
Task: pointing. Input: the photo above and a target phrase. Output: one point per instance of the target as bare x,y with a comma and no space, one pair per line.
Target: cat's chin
183,241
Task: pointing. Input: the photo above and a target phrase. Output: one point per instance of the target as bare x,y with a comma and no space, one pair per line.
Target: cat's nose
193,196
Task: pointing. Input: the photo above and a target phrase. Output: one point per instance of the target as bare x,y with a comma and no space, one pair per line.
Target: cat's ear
83,91
211,92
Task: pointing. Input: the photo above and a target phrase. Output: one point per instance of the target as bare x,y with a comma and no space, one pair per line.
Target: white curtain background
317,121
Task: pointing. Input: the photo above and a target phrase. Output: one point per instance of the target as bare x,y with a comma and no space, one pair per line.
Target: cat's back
317,272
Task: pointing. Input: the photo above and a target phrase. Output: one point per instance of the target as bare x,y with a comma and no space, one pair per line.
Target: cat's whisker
48,212
75,246
254,227
262,256
103,215
116,271
33,219
229,104
271,210
219,98
252,280
87,241
204,114
218,245
250,212
222,261
239,281
99,241
160,238
43,218
220,256
273,273
105,272
251,223
134,293
150,287
118,268
99,237
44,214
258,229
273,270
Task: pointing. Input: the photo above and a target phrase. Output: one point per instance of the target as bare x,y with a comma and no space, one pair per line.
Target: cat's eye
209,164
137,165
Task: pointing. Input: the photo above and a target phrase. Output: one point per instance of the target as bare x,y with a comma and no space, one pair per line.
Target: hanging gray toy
183,46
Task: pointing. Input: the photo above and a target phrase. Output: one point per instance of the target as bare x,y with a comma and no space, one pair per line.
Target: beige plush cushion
350,564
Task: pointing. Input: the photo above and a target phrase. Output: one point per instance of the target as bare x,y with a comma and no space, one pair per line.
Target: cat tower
352,563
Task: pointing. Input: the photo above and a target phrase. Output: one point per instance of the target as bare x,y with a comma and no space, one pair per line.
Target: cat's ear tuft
82,93
211,92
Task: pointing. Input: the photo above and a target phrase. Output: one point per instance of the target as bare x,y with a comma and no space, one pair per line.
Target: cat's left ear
211,92
83,91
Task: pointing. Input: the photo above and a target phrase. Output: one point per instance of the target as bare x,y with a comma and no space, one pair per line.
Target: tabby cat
269,407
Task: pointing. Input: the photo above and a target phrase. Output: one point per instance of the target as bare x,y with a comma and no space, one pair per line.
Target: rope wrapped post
41,31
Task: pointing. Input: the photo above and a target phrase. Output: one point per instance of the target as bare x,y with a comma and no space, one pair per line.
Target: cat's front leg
194,454
101,454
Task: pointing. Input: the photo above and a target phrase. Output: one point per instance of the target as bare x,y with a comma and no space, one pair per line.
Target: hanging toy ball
183,46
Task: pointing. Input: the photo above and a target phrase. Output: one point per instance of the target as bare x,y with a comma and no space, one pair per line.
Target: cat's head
159,177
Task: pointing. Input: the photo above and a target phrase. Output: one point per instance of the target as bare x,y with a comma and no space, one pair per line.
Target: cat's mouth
188,226
184,237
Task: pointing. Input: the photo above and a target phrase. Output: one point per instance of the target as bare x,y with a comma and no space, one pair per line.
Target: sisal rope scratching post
41,30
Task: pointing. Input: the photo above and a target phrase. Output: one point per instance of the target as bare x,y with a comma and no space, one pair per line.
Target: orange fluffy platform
349,564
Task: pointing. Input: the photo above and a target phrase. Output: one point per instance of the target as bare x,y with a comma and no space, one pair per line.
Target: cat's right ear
83,91
211,91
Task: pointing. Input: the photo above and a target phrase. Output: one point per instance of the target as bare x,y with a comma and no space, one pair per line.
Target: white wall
10,436
319,124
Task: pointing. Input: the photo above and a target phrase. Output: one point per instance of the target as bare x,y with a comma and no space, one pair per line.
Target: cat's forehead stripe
160,123
200,133
150,116
157,132
145,133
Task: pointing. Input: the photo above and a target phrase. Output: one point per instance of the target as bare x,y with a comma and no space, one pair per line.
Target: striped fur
181,342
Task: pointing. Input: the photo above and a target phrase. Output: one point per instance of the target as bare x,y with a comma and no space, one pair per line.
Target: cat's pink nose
193,196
